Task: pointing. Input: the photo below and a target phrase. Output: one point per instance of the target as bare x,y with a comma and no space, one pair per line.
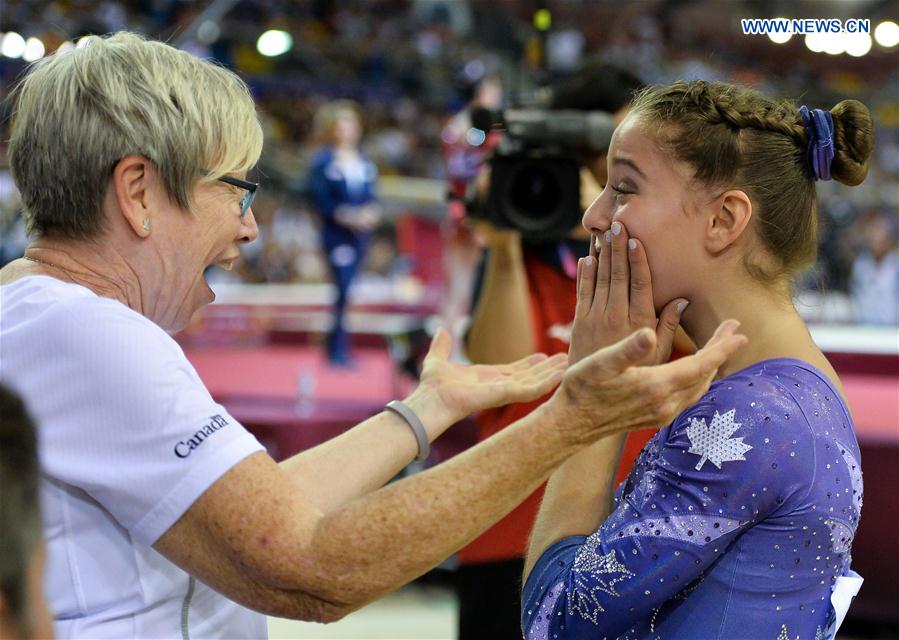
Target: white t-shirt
129,438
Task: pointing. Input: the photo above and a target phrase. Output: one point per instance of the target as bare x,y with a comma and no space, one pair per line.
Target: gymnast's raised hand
615,297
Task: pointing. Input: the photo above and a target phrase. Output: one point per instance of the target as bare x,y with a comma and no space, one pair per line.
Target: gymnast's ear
728,217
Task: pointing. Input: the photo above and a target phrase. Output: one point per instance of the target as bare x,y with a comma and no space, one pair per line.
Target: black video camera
535,184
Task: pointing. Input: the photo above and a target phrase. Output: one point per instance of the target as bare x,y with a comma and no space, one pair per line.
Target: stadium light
274,42
34,50
815,42
887,34
779,37
857,44
834,43
13,45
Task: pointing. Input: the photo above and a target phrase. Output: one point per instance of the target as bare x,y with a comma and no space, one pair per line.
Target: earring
146,224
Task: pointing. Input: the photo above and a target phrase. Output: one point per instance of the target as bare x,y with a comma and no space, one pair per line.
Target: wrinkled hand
607,392
462,390
614,298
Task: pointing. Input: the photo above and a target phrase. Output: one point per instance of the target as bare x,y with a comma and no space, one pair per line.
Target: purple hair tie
819,127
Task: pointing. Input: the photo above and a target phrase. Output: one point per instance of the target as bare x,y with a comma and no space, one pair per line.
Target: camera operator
524,302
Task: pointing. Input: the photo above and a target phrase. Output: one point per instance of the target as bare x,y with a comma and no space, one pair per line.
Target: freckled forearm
297,561
378,543
357,462
367,456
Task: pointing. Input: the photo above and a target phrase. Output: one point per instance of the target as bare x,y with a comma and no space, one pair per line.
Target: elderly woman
162,515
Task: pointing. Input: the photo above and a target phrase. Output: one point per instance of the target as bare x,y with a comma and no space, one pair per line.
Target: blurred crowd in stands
407,62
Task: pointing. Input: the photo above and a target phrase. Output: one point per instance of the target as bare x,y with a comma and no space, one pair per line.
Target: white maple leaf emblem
713,443
594,573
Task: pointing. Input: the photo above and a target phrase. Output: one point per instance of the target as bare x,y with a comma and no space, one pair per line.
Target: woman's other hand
614,298
461,390
608,392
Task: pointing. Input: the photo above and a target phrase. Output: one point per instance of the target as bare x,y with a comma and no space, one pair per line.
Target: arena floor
414,612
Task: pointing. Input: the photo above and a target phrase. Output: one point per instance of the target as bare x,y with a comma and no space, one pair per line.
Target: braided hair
736,137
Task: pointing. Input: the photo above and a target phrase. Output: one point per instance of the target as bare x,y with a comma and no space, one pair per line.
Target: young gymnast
737,520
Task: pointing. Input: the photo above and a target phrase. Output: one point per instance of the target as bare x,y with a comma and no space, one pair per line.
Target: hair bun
853,142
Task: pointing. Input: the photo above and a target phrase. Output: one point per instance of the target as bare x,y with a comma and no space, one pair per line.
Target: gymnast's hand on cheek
614,298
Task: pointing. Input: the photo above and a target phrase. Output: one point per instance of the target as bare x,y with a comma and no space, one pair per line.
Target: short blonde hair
327,116
78,113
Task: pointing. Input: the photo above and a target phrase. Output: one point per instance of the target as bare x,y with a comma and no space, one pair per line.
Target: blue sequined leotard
735,522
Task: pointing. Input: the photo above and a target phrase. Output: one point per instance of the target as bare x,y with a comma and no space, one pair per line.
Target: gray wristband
424,447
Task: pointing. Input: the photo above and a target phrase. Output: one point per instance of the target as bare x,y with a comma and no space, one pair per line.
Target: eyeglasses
251,188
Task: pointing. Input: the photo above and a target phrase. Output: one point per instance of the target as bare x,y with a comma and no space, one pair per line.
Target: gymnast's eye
622,191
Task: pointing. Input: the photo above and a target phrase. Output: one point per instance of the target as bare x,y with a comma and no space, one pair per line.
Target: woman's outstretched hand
614,298
464,389
608,391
